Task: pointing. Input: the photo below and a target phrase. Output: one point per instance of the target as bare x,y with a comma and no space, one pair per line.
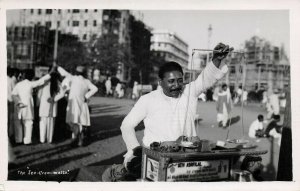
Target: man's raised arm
214,70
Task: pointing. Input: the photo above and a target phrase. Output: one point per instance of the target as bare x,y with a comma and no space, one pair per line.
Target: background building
265,66
84,23
27,46
170,46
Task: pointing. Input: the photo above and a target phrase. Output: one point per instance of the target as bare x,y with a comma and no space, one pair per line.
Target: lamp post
55,42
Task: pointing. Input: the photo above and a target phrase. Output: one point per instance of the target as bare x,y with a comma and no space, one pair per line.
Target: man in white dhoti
81,89
169,112
23,93
224,105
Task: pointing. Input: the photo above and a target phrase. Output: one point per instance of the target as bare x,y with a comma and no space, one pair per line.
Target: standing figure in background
224,105
119,90
135,92
245,97
108,87
50,94
23,94
81,89
273,106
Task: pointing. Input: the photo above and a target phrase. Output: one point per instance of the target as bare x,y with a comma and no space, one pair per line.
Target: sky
231,27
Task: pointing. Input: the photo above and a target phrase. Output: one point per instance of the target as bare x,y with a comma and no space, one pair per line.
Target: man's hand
133,159
219,53
127,157
50,100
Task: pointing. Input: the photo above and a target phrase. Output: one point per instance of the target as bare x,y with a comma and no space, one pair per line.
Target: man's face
172,83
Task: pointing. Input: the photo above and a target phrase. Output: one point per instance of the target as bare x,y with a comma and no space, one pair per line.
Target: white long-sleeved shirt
166,118
255,125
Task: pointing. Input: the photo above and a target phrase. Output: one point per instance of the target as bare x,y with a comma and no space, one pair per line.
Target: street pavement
105,145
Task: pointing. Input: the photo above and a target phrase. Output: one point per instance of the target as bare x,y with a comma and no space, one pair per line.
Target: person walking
81,89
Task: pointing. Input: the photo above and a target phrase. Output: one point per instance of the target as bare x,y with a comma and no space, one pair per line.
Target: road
105,145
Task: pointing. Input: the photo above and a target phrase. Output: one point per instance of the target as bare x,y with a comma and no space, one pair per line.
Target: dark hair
16,72
29,74
260,117
54,88
224,85
276,117
168,67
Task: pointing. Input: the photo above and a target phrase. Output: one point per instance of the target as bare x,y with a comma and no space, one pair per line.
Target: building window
85,23
95,23
68,23
39,11
105,17
95,10
76,11
68,10
86,10
75,23
158,44
38,23
31,11
58,24
48,11
59,11
48,24
84,37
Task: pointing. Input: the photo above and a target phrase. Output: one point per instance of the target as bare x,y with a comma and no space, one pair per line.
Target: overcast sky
230,27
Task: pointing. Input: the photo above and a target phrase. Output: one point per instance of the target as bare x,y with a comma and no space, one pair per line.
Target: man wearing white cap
81,89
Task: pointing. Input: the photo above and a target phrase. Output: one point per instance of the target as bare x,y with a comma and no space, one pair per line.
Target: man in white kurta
23,90
169,111
81,89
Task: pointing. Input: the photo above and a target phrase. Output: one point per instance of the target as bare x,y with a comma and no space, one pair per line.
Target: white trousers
46,129
223,116
27,123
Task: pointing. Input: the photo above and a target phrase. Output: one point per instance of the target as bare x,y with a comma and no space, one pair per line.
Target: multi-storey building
265,66
170,46
27,46
84,23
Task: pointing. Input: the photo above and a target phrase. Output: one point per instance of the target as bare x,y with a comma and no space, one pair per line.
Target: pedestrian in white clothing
50,93
169,112
256,128
23,93
108,86
135,92
224,106
81,89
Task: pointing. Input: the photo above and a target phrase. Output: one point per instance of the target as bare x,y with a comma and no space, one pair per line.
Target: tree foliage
70,52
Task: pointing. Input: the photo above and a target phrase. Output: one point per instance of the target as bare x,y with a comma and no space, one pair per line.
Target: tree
70,52
106,53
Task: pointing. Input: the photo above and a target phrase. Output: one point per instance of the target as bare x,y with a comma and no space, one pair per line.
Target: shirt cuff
218,72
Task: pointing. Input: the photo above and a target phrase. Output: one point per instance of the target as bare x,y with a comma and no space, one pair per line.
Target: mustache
176,89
